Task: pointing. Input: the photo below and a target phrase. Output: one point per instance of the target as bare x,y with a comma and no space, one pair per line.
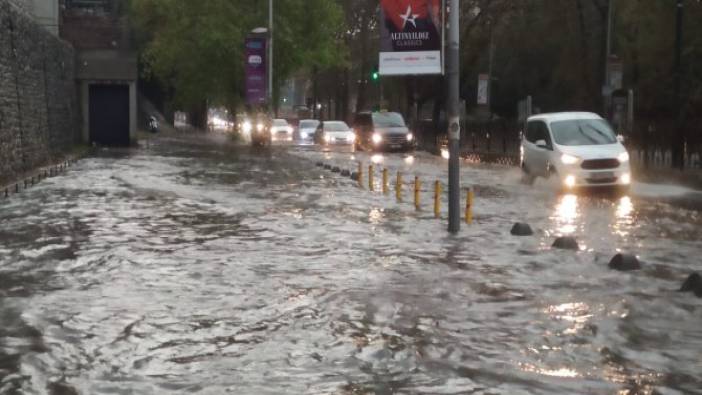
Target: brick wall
38,103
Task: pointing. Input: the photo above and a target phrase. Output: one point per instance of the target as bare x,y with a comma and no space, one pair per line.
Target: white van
579,148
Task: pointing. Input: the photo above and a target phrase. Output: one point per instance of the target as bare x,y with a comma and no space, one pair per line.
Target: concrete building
106,68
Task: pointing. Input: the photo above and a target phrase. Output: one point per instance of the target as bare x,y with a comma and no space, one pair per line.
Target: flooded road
197,266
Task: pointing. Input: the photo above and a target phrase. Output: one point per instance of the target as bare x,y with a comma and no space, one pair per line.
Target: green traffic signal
375,76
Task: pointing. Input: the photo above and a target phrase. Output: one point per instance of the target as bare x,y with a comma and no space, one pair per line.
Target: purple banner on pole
256,71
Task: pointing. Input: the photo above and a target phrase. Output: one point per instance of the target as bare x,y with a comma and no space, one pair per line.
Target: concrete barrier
623,263
566,243
521,229
693,284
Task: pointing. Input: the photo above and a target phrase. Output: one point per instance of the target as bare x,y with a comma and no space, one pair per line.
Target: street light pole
608,52
270,55
679,140
454,117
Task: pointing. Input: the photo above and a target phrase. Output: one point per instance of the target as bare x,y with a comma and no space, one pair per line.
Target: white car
579,148
334,132
307,128
281,130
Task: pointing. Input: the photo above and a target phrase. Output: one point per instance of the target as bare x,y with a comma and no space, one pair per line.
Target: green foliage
197,48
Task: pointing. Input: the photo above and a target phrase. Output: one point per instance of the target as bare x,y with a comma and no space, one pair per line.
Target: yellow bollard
417,189
386,187
371,182
360,174
437,199
398,187
469,206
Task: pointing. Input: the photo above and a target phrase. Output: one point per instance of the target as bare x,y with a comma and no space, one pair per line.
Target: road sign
483,89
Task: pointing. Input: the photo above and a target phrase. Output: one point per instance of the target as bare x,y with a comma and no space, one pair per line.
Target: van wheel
551,170
527,177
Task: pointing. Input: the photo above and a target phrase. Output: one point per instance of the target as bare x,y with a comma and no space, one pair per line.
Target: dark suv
386,131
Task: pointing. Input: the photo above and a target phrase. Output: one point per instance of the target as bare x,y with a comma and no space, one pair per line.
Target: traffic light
375,75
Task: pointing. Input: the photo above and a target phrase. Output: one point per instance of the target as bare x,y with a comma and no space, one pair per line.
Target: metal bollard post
398,187
469,206
437,199
371,182
386,187
360,174
417,189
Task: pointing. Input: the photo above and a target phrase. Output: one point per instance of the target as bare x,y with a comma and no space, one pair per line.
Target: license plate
395,145
601,175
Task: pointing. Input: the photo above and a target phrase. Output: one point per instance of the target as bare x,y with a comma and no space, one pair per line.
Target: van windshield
388,120
583,132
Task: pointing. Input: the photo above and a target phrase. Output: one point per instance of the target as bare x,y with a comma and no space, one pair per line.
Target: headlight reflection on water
566,215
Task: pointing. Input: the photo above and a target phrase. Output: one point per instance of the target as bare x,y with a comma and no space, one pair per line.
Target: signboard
483,89
410,37
255,71
615,72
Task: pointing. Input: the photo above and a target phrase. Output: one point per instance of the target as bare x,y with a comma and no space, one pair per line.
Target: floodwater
198,266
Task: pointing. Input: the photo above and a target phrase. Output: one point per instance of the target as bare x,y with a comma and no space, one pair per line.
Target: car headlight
246,127
569,181
327,138
304,135
623,157
410,137
377,138
260,127
626,179
569,159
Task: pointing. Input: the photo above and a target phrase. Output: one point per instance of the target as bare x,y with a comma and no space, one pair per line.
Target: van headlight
327,138
569,159
410,137
623,157
259,127
626,178
246,127
377,138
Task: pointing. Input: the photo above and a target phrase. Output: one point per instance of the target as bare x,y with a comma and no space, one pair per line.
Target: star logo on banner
409,17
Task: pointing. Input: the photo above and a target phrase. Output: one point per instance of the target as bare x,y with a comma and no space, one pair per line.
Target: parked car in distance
307,128
334,132
579,148
281,130
386,131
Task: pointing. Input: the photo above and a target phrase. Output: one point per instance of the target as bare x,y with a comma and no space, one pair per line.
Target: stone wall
39,118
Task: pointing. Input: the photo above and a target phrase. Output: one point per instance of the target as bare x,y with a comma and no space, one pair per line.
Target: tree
196,48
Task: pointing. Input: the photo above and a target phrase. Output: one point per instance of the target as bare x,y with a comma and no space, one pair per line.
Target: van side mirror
542,144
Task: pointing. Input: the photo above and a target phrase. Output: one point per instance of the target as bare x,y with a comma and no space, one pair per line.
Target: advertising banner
256,71
411,38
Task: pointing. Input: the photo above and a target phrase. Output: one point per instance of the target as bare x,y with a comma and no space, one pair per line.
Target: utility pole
490,64
679,139
454,116
608,52
270,56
